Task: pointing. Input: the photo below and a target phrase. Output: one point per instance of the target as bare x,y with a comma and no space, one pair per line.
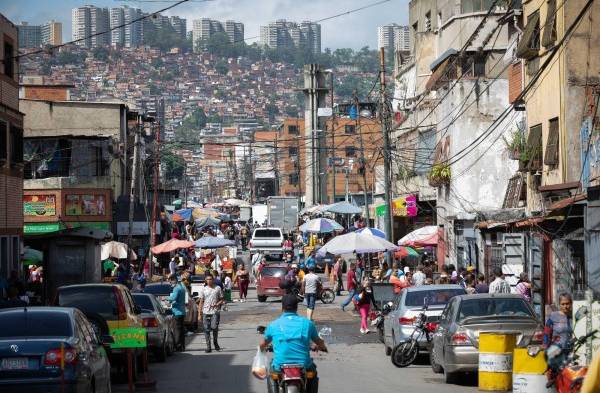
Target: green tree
196,120
221,67
174,165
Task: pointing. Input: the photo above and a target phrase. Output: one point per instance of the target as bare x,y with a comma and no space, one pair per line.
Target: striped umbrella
372,231
320,225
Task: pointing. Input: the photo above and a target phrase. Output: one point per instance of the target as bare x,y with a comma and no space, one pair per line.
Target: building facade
204,28
52,33
88,21
11,153
30,36
394,37
283,34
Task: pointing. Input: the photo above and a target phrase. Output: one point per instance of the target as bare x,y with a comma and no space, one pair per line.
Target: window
292,151
3,141
428,21
9,61
534,148
293,130
529,45
293,179
16,144
478,65
350,151
468,6
35,324
350,129
100,163
551,155
415,27
549,37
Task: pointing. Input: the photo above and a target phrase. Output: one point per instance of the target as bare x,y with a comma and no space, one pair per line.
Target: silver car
455,347
159,324
399,323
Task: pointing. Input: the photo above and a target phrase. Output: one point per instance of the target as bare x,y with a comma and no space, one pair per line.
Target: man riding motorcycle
291,336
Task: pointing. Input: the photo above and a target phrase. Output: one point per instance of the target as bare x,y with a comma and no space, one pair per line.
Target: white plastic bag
260,365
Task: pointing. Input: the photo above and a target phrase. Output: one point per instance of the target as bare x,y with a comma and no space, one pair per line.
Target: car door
94,352
449,327
393,318
438,335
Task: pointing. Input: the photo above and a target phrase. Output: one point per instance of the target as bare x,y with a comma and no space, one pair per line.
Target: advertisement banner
39,205
85,205
405,206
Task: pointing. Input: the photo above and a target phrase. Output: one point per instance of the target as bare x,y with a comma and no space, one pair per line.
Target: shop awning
567,202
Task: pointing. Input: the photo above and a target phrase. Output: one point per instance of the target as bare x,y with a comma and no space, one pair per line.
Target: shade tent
404,252
199,212
372,231
356,243
320,225
426,236
32,256
213,242
236,202
207,221
171,245
342,208
117,250
182,215
312,209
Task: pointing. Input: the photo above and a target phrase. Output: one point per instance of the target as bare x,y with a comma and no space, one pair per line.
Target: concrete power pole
363,162
134,170
383,114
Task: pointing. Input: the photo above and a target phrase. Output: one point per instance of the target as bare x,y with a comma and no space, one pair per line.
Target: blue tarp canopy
207,221
213,242
185,214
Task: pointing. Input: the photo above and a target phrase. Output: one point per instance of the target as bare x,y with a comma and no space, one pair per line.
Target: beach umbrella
356,243
425,236
32,256
114,249
372,231
213,242
405,251
342,208
320,225
236,202
171,245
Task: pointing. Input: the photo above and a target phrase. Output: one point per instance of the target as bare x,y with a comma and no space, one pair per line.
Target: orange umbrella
171,245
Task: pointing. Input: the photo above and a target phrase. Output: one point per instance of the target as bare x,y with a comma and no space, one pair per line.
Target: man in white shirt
499,285
210,300
419,277
310,288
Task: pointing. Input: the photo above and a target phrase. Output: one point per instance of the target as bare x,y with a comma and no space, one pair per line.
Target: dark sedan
159,324
162,291
51,349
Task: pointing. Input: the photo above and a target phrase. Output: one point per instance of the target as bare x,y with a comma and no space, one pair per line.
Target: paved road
355,363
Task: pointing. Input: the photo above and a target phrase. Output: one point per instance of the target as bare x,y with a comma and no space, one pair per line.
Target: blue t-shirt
177,299
310,262
291,335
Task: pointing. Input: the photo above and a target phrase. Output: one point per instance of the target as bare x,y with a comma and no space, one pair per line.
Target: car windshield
493,306
160,289
90,300
35,324
436,297
143,301
267,233
274,272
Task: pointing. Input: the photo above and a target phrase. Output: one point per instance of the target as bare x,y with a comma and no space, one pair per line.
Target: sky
348,31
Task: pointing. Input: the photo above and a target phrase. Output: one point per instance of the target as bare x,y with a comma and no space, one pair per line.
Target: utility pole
276,167
185,190
155,196
251,171
134,169
346,170
386,148
333,157
363,163
235,175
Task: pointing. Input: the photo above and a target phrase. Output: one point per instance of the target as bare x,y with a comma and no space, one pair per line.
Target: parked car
159,324
162,290
267,282
267,241
107,307
399,323
456,340
35,341
197,282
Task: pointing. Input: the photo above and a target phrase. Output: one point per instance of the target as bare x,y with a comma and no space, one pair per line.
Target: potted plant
516,145
439,175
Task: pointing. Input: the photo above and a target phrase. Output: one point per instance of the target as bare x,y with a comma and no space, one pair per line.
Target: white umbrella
356,243
236,202
115,249
320,225
425,236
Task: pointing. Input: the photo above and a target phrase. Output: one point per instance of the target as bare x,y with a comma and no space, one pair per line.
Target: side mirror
581,313
106,339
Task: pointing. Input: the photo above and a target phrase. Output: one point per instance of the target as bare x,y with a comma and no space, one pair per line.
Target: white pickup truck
266,241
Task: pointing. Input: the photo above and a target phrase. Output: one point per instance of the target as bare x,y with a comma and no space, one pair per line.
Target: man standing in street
310,288
351,285
211,299
337,275
177,300
419,277
499,285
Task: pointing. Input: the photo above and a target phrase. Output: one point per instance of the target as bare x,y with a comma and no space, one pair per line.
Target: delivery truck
282,213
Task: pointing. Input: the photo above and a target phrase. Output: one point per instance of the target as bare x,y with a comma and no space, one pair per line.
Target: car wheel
436,368
262,299
171,344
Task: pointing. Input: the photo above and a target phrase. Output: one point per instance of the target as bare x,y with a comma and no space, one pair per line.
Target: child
227,285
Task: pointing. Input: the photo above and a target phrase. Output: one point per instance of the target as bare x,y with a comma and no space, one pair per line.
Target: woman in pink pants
364,300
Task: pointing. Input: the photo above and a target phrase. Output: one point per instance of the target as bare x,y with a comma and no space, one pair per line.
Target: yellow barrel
529,372
495,361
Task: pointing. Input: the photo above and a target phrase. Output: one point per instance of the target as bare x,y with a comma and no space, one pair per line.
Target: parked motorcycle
378,317
405,353
566,373
326,295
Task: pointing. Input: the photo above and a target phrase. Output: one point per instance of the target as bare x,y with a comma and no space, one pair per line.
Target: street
355,363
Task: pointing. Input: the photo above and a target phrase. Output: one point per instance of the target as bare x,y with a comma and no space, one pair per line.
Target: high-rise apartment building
117,18
394,37
52,33
204,28
285,34
129,34
88,21
179,25
30,36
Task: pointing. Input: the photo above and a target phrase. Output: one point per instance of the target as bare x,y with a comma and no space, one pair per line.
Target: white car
266,241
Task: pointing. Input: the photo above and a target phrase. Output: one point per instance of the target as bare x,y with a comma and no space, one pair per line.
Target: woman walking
243,279
363,302
524,287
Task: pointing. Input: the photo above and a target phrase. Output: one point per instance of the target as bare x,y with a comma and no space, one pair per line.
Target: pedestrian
243,279
310,288
523,287
177,300
559,325
351,285
210,300
364,299
13,299
173,266
337,275
310,261
427,270
499,285
470,285
481,286
244,232
227,285
419,277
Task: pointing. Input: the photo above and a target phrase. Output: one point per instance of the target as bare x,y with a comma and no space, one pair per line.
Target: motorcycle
405,353
325,295
378,317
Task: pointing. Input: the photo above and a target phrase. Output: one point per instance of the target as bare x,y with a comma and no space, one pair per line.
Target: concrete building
30,36
179,25
286,35
117,35
394,37
52,33
235,31
133,31
89,20
11,153
204,28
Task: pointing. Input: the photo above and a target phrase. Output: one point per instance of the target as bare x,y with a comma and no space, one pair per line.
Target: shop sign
85,205
405,206
39,205
49,227
129,338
